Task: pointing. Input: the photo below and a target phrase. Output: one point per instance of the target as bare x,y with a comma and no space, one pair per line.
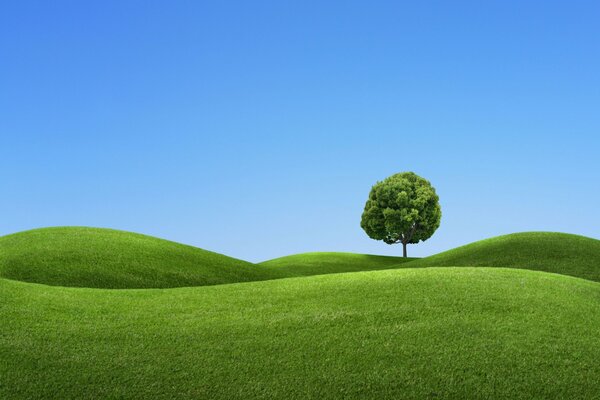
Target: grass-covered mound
560,253
449,333
106,258
329,263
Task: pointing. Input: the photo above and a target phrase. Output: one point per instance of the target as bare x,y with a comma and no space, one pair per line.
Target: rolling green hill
106,258
560,253
403,332
328,263
450,333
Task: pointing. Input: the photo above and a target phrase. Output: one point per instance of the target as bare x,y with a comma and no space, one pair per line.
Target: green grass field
419,329
106,258
560,253
330,263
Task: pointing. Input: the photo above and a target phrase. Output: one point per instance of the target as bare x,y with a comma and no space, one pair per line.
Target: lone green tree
403,208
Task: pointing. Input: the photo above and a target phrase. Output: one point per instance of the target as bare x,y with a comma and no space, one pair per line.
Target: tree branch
408,238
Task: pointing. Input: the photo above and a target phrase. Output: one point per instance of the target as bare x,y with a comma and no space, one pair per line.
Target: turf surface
328,263
449,333
106,258
560,253
403,332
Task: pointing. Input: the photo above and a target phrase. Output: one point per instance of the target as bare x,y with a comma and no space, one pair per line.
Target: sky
256,129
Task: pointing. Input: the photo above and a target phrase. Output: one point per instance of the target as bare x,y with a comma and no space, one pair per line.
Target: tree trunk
404,249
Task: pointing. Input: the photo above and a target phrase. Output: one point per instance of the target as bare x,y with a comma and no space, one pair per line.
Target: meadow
96,313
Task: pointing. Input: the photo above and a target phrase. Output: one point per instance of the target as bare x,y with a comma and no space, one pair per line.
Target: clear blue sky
256,129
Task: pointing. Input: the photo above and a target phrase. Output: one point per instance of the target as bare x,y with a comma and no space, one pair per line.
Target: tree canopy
403,208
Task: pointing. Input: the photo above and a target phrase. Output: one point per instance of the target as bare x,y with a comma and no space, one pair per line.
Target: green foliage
403,208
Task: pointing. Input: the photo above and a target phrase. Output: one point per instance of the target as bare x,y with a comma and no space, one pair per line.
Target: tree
403,208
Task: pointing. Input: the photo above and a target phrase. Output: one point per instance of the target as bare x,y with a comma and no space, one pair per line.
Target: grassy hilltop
385,328
560,253
106,258
307,264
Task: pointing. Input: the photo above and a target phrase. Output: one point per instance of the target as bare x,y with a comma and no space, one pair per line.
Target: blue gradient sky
256,129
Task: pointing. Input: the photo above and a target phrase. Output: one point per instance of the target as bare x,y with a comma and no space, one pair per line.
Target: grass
543,251
386,328
106,258
307,264
450,333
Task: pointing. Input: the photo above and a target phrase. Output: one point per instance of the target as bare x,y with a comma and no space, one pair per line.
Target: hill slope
306,264
106,258
450,333
560,253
